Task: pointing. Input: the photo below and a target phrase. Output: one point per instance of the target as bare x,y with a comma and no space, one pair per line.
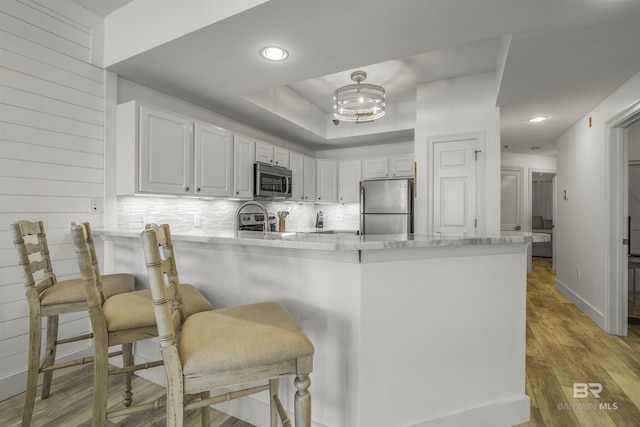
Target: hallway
565,347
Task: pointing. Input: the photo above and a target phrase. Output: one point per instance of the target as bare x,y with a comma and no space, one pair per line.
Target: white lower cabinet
243,158
327,181
213,161
349,177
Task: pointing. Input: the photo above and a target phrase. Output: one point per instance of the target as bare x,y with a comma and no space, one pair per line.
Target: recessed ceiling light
537,119
274,53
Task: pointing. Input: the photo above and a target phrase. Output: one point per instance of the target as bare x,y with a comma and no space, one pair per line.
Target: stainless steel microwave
271,182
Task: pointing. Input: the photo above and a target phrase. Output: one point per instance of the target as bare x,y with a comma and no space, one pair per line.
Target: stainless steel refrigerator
386,206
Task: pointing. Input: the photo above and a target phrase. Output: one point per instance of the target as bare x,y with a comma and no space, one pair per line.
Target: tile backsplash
217,214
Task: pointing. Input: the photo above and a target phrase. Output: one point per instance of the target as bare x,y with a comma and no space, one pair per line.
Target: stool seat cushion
70,291
135,309
240,337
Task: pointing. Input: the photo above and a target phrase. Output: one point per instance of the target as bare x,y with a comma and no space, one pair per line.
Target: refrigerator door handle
361,209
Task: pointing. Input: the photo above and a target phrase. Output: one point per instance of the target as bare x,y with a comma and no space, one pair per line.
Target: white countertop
337,240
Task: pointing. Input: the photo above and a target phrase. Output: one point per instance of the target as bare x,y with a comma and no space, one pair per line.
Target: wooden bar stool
49,298
119,320
222,348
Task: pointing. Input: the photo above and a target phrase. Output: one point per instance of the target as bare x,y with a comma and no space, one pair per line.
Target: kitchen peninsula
408,329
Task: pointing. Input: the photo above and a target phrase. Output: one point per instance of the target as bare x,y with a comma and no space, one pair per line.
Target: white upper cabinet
375,168
243,159
349,176
309,179
296,164
327,181
281,158
154,151
264,152
165,152
272,155
213,161
401,166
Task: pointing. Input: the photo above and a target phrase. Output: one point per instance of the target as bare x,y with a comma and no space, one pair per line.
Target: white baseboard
506,413
594,314
16,383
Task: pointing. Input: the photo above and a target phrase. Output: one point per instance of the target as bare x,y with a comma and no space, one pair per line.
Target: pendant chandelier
359,102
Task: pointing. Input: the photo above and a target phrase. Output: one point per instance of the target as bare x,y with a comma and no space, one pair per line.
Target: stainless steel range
251,221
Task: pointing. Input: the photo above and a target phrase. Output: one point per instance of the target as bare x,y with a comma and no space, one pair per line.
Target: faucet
236,220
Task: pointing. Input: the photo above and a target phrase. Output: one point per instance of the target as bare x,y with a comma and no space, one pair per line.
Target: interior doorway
510,198
633,226
617,246
543,204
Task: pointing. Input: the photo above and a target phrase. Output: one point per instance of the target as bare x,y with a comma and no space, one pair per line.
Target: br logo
582,390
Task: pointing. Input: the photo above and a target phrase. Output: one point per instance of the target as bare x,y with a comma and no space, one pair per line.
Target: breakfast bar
409,330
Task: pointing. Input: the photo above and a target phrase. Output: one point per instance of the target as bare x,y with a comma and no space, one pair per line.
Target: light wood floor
69,404
563,347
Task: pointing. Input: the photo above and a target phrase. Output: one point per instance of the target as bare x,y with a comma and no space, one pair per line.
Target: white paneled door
510,199
455,185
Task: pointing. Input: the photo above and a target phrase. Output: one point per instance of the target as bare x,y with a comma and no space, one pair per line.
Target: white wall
580,229
528,163
51,153
143,25
459,106
381,150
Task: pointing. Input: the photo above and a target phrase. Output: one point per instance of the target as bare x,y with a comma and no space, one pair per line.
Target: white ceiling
565,56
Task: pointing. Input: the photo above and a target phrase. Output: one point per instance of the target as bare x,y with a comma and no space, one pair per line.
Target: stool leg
302,401
127,360
33,367
50,354
100,382
204,412
274,386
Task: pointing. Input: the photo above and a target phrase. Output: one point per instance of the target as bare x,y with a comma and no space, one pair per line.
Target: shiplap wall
51,157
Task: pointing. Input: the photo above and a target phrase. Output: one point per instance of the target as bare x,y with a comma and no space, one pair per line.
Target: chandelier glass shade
359,102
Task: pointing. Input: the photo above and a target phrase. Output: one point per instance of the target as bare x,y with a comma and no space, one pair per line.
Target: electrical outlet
577,273
95,206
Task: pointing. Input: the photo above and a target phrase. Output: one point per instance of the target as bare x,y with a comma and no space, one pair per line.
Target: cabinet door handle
198,189
186,189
